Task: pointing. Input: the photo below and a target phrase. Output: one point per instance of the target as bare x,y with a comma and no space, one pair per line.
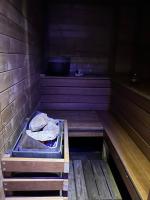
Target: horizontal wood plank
9,112
142,144
12,77
133,95
75,99
85,134
74,91
71,93
13,184
75,116
141,115
137,121
72,106
85,125
12,164
130,104
75,82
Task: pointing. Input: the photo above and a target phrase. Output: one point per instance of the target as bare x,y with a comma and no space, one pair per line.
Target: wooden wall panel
82,32
3,62
11,128
1,176
0,121
75,91
125,38
4,43
132,110
76,82
73,106
1,139
72,93
75,99
10,28
20,59
143,57
86,33
133,41
138,119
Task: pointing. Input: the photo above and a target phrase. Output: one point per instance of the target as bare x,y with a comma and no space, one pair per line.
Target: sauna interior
87,62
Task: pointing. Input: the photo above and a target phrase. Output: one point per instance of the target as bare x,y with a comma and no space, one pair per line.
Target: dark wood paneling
125,38
75,99
138,119
73,106
134,97
75,82
19,62
80,30
75,93
132,109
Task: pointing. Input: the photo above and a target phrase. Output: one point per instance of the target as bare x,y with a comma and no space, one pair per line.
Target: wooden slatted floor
91,180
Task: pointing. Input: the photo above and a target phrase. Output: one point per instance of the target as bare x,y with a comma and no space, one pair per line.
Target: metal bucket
58,66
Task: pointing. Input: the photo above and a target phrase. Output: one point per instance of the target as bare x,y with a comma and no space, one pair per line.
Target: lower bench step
85,126
85,134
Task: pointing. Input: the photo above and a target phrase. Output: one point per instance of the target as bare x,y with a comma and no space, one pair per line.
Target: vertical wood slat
72,188
80,181
110,181
90,180
100,180
66,148
149,196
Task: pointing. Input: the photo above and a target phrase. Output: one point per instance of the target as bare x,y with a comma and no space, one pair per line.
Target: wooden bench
80,123
131,162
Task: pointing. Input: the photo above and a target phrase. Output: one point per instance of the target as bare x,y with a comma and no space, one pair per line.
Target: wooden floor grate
92,180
